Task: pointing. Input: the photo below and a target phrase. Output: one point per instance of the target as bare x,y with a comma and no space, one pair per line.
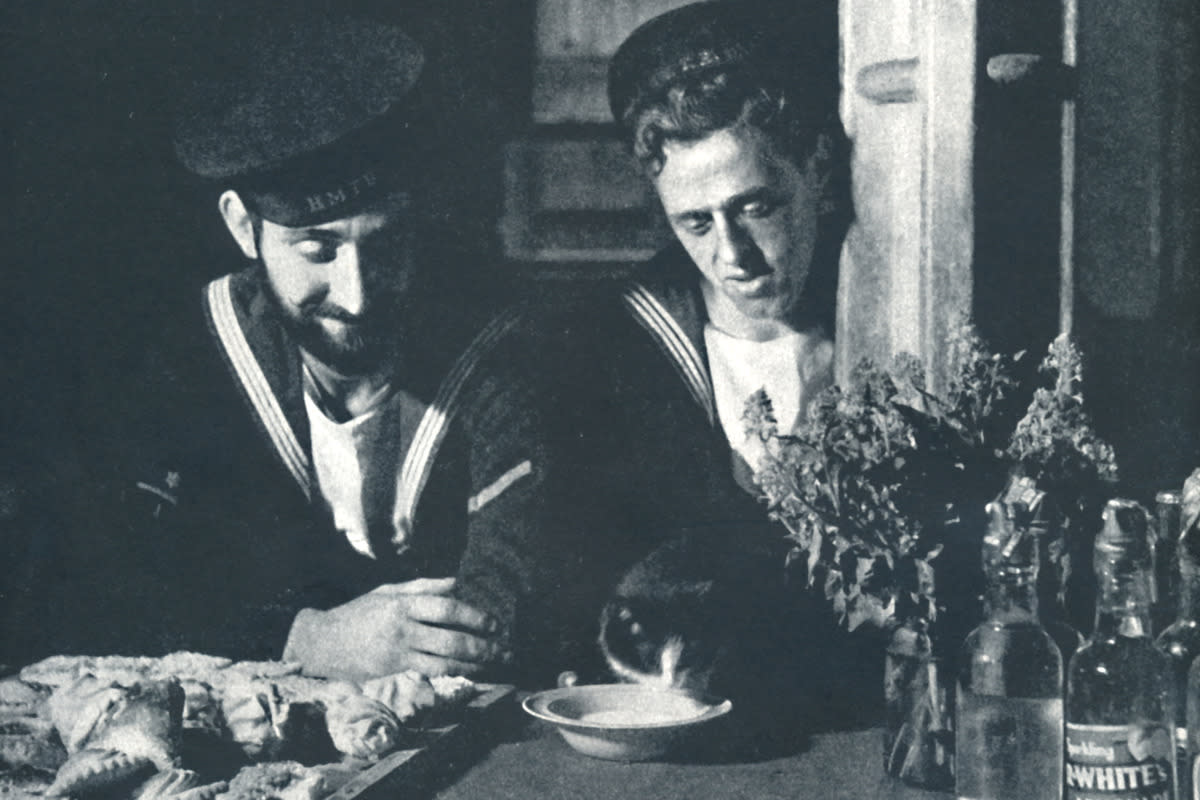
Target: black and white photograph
598,399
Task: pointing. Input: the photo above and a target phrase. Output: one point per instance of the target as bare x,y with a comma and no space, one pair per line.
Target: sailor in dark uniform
328,441
732,114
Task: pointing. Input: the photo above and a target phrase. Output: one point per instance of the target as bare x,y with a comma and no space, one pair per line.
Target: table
532,761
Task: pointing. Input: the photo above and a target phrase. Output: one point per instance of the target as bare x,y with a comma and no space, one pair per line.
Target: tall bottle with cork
1181,640
1189,522
1193,732
1031,511
1009,703
1167,515
1120,698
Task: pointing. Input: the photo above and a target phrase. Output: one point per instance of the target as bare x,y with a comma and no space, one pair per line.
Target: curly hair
768,65
697,106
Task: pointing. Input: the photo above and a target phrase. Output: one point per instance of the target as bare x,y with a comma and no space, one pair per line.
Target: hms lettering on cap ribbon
342,194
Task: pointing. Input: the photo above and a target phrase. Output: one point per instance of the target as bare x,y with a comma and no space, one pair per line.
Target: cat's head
649,645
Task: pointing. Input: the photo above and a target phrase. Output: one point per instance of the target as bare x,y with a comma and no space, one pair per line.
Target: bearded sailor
328,447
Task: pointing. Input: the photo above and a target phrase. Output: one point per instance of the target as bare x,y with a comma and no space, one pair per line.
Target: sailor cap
309,119
697,41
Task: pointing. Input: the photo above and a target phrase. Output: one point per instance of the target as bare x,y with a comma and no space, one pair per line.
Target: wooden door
1033,165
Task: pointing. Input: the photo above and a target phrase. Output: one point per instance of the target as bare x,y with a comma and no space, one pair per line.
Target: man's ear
239,222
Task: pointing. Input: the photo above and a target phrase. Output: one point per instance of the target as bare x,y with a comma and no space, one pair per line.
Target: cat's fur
716,615
712,615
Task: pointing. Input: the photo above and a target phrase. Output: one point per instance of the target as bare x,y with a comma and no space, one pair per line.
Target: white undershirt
792,369
356,463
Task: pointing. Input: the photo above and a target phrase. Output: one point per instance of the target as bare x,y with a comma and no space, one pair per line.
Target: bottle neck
1189,587
1011,596
1049,597
1049,580
1123,605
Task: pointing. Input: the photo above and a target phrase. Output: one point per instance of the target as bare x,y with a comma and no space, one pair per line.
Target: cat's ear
621,613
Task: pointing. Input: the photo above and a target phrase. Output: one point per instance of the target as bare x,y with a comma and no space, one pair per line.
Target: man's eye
758,208
696,226
317,251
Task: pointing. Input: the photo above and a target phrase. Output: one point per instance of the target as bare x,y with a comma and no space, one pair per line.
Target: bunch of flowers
884,484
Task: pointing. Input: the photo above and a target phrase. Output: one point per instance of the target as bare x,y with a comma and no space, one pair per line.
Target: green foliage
1054,442
883,486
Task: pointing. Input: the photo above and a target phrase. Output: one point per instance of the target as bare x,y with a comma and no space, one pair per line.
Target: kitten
714,616
700,613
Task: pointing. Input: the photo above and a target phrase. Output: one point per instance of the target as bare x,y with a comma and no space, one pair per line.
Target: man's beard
360,349
366,343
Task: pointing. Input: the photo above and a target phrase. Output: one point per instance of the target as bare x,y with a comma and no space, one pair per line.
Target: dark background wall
1135,305
1137,292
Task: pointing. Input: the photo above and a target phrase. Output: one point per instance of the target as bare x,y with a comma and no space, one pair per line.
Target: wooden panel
592,27
578,200
1052,193
569,90
574,41
909,66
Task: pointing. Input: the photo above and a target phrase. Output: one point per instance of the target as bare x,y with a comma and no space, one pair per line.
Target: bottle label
1131,762
1195,778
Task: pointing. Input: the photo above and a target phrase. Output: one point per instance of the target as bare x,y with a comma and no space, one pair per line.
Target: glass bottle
1166,538
1181,640
1120,692
1193,727
1009,706
1028,507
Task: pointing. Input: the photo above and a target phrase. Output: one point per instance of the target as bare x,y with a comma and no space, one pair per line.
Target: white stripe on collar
254,382
671,338
418,462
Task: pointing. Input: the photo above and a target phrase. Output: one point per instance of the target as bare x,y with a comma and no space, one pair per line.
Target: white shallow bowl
625,721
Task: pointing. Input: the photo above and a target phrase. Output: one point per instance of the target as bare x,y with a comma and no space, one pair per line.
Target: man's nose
346,287
731,242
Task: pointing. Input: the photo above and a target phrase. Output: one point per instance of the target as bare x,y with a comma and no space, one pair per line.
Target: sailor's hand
414,625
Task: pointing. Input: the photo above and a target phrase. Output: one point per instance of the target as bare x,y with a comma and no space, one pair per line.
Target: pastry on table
355,725
138,728
271,720
30,749
407,694
420,700
184,664
78,707
94,770
452,690
279,780
201,707
304,689
178,784
59,671
30,742
257,718
54,671
120,669
362,728
20,699
23,783
142,719
450,693
254,670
